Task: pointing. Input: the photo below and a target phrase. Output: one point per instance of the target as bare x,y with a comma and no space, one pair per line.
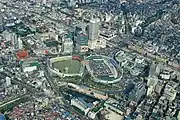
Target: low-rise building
80,105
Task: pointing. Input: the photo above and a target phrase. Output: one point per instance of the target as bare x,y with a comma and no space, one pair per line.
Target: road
20,83
30,88
135,49
51,82
13,100
59,93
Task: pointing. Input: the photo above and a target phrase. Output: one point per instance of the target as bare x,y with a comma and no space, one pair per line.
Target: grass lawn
72,65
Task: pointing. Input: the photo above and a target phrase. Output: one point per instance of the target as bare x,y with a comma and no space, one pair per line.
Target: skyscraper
94,29
82,41
68,46
43,2
1,23
20,43
8,81
81,37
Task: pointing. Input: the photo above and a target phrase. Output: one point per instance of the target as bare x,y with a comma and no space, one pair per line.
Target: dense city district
89,59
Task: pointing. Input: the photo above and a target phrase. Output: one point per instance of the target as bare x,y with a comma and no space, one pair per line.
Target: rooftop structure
131,62
80,105
22,54
89,91
2,117
29,65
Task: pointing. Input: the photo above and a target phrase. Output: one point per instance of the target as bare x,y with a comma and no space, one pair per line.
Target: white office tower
94,29
56,37
14,39
158,69
11,37
68,46
44,2
6,35
8,81
20,44
71,3
151,83
1,23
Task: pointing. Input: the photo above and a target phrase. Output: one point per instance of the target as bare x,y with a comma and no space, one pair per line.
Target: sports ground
104,69
72,65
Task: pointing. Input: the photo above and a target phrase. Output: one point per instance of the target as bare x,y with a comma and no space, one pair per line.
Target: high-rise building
8,81
138,92
67,46
81,37
43,2
20,43
11,38
71,3
94,29
1,23
159,86
82,41
6,35
14,39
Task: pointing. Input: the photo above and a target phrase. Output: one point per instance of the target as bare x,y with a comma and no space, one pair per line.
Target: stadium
104,69
66,66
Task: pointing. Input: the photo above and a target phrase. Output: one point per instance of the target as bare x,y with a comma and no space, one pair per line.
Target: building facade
94,29
68,46
82,41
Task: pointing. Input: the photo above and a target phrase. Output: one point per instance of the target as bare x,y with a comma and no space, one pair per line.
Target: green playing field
67,66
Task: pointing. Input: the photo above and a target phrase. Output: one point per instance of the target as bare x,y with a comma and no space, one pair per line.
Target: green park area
67,66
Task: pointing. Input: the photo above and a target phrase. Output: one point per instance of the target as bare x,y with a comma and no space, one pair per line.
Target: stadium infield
72,65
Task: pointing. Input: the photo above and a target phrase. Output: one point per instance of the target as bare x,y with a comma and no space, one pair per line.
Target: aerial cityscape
89,59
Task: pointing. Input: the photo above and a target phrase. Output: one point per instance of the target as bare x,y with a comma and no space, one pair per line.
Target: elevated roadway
143,52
